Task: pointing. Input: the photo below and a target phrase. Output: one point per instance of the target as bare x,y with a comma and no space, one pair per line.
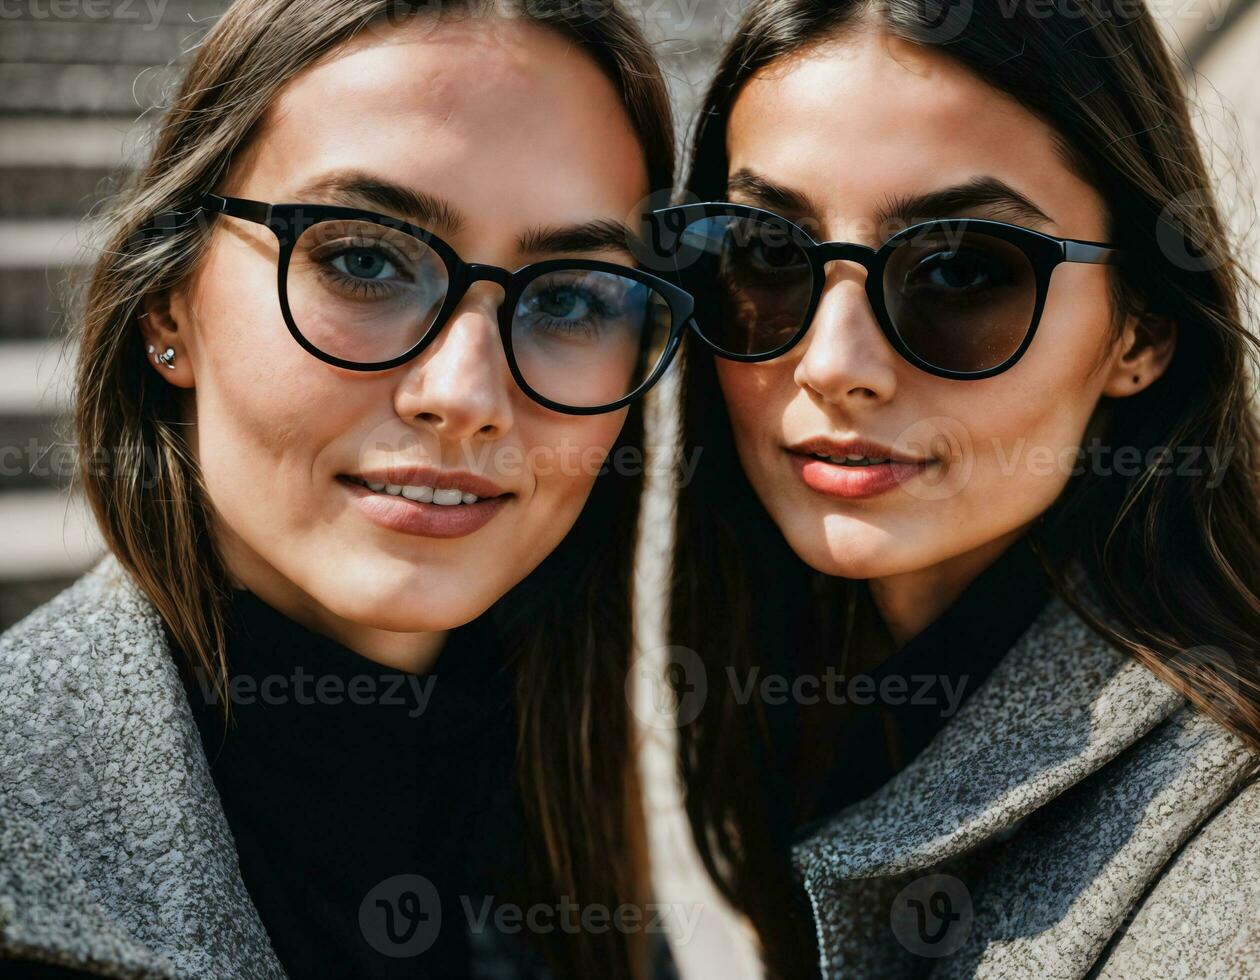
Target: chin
846,548
422,602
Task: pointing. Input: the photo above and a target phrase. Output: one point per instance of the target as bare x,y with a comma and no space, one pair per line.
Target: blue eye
363,263
572,304
564,302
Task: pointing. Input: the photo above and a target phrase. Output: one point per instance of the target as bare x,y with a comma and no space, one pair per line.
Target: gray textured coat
1074,819
115,855
1086,819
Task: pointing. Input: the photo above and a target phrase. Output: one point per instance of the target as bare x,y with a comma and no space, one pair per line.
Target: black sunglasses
368,292
957,297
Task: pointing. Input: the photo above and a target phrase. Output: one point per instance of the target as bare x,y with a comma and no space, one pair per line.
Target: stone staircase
77,87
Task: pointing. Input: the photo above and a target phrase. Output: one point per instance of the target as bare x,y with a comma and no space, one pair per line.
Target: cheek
565,453
264,406
1029,423
754,395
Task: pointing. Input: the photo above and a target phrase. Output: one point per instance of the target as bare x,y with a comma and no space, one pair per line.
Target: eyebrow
591,236
766,193
353,188
981,193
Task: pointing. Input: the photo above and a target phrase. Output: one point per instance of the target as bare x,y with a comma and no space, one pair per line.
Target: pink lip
852,482
425,520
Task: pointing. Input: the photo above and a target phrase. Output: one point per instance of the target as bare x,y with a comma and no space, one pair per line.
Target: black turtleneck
861,727
373,811
915,692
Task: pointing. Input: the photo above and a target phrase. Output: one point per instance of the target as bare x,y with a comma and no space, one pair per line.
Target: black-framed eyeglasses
957,297
368,292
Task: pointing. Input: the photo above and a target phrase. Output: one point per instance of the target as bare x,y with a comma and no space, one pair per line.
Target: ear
165,332
1142,354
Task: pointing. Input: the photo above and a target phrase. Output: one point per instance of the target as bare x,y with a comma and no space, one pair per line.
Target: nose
461,386
846,358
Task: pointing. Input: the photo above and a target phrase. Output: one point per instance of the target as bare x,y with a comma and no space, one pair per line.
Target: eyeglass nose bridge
475,272
488,273
863,255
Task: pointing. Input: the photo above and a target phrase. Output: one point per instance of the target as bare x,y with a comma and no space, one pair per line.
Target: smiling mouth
443,497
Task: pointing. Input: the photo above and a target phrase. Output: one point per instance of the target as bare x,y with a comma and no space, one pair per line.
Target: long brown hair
571,648
1162,565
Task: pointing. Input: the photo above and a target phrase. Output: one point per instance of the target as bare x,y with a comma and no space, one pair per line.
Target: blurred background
80,83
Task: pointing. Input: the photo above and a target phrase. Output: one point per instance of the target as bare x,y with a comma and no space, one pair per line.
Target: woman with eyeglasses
347,697
970,560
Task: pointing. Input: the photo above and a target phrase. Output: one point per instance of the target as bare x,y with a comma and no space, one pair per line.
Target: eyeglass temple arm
237,207
1089,252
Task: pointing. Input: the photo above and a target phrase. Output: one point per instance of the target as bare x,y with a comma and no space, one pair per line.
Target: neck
412,653
909,602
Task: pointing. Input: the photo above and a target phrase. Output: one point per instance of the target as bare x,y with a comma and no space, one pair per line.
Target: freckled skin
848,125
513,127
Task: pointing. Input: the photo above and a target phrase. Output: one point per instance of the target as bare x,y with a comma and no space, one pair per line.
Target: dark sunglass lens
363,292
751,280
588,337
961,301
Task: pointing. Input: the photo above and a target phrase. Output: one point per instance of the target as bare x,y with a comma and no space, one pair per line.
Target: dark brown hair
571,644
1161,564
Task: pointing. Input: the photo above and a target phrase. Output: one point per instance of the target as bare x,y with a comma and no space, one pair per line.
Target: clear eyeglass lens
587,337
364,292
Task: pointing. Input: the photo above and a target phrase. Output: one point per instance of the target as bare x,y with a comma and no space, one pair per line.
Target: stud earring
167,357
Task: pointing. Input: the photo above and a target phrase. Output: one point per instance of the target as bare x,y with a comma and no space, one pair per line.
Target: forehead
854,121
488,113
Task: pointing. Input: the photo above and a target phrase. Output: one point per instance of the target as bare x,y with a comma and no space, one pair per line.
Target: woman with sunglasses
970,561
347,698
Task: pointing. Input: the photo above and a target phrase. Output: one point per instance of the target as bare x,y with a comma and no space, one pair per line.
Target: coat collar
1060,705
1118,771
114,849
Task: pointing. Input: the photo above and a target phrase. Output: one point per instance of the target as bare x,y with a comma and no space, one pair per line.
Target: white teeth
852,459
424,495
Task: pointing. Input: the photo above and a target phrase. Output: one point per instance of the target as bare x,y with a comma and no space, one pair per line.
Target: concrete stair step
51,191
99,142
31,302
47,534
36,257
63,167
98,43
20,597
36,442
139,15
113,89
36,378
37,452
43,243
